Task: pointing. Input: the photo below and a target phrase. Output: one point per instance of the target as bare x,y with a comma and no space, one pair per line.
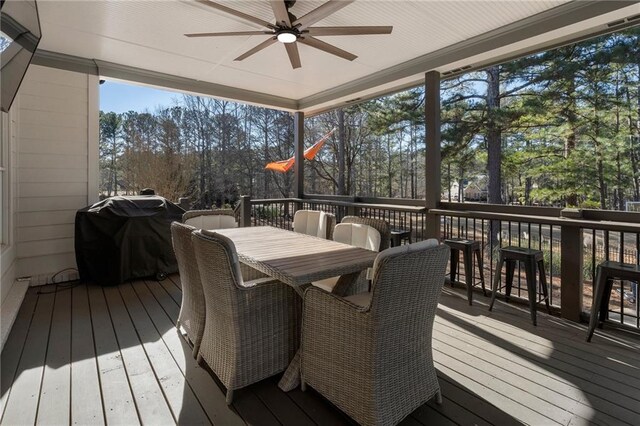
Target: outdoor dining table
297,260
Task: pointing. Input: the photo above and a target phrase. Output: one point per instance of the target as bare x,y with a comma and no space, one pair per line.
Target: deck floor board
14,346
22,402
86,398
114,355
55,395
119,405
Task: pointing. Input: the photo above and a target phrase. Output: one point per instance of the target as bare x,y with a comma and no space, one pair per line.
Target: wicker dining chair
219,219
382,226
192,309
359,235
362,284
210,219
314,222
252,328
370,354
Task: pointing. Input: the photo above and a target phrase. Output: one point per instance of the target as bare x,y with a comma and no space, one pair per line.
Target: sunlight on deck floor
93,355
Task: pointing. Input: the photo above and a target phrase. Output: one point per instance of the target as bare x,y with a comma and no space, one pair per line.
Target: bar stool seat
605,274
397,235
531,259
469,248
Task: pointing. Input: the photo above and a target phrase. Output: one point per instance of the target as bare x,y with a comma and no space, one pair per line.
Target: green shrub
587,265
266,212
552,268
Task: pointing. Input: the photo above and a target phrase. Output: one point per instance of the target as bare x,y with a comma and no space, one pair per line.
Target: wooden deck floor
93,355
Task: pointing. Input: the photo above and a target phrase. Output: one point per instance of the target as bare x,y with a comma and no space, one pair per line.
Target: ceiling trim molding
158,79
549,20
61,61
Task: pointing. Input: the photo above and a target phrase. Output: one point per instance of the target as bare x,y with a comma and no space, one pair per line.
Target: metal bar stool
397,235
605,274
468,249
531,259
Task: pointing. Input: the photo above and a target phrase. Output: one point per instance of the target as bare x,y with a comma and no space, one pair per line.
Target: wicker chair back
314,222
251,330
380,225
210,219
192,310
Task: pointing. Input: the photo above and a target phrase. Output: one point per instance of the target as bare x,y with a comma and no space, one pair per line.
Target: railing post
571,272
245,211
432,154
353,211
298,140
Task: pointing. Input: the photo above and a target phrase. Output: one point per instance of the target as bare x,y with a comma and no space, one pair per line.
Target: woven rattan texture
192,309
376,363
251,332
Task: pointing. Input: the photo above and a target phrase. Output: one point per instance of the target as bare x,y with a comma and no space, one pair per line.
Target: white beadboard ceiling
149,35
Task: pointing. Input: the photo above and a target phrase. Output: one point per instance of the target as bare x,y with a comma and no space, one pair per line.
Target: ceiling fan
290,30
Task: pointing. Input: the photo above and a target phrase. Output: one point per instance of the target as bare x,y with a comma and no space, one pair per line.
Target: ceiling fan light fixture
287,36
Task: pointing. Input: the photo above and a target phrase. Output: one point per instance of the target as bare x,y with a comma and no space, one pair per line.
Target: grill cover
123,238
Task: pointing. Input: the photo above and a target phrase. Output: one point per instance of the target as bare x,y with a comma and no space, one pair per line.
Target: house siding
57,151
11,292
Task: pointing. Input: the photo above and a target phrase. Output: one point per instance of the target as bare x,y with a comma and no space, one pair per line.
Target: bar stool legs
608,271
455,258
533,263
468,274
596,311
496,281
481,269
530,272
469,249
511,268
543,284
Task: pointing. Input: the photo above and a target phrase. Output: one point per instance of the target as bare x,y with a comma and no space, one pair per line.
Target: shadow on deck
93,355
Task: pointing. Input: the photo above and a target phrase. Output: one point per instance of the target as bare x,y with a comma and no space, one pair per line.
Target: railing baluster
464,225
550,281
621,259
635,289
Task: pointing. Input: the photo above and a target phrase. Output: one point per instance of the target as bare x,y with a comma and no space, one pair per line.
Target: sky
120,97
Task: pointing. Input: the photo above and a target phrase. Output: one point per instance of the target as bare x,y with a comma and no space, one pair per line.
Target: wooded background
557,128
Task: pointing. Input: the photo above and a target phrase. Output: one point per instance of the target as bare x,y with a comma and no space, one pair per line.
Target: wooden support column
245,211
432,153
571,276
298,138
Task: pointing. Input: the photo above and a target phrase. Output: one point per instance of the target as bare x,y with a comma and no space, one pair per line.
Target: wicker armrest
260,281
317,297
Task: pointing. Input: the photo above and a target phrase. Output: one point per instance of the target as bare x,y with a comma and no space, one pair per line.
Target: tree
110,149
554,128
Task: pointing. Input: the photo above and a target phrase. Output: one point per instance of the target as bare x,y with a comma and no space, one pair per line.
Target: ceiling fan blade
326,47
234,12
280,12
235,33
338,31
256,49
294,55
320,12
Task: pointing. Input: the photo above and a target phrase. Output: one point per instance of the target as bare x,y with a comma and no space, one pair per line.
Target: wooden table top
295,258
